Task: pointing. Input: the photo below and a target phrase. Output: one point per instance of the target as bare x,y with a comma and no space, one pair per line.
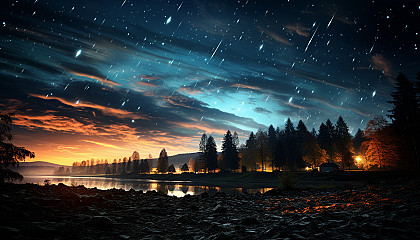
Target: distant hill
180,159
40,164
37,168
176,160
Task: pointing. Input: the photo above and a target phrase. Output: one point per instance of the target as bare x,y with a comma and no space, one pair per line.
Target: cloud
105,110
239,85
191,91
102,80
149,77
343,19
88,72
304,75
262,110
147,84
340,108
380,63
53,123
103,144
181,101
201,126
293,104
275,36
298,28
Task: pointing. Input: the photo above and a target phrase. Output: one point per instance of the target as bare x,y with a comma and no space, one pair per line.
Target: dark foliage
230,159
10,155
405,115
163,162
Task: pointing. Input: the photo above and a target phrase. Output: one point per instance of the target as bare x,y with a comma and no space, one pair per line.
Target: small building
328,167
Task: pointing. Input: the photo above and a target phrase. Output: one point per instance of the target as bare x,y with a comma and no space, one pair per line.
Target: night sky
100,79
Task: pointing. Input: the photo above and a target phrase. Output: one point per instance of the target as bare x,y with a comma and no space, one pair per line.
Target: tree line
133,165
380,145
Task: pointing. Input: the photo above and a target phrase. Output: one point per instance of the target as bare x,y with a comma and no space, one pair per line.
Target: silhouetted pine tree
230,159
129,163
343,143
313,132
163,162
326,139
262,148
291,151
272,142
171,169
185,168
248,153
280,149
405,117
136,166
211,154
202,155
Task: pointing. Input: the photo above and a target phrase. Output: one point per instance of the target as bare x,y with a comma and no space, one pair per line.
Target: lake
176,188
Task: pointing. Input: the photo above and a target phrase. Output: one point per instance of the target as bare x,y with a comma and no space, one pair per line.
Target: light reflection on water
179,188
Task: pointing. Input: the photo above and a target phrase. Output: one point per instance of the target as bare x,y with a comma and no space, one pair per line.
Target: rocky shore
373,211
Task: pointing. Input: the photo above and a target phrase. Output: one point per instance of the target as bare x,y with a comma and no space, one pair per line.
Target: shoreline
268,179
387,209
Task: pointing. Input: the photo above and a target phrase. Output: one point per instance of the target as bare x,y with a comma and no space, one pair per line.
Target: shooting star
168,20
331,20
123,3
180,6
371,48
310,40
215,50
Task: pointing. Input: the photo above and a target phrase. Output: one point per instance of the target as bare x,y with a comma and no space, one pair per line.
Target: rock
194,207
183,219
219,209
99,222
272,192
219,195
204,195
153,210
220,236
249,221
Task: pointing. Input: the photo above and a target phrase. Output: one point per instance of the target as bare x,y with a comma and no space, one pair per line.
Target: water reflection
178,189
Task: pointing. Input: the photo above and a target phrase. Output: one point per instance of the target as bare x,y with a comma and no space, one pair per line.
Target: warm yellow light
358,159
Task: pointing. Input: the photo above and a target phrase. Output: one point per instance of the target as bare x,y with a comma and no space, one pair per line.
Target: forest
381,145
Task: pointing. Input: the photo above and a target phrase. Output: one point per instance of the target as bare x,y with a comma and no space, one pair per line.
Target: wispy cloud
191,91
106,110
380,63
201,126
103,144
298,28
53,123
180,101
339,107
262,110
147,84
91,76
275,36
239,85
149,77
